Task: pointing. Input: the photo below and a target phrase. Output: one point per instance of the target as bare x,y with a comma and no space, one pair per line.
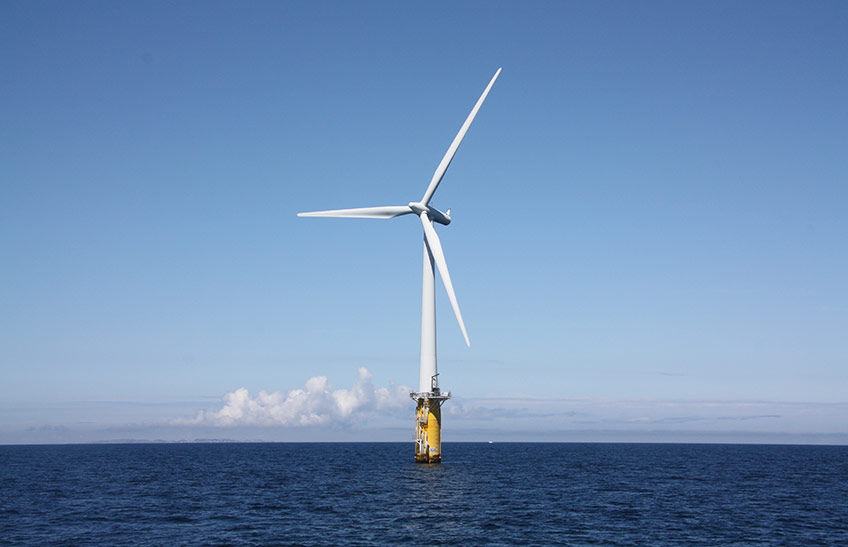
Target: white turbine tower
429,397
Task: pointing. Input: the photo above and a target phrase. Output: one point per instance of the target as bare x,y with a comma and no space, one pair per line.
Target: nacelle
432,213
438,216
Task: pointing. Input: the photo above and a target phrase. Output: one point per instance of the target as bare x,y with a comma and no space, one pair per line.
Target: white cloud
318,404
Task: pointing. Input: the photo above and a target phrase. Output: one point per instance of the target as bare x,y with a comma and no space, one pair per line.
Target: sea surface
373,494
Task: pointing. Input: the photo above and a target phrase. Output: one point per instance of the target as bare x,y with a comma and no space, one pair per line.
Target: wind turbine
429,397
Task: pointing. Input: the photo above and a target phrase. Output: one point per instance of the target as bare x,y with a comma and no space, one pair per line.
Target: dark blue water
372,494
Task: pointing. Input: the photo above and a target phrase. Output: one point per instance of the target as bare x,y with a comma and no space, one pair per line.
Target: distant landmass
163,441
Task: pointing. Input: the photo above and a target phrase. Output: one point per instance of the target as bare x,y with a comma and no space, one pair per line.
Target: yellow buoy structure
429,398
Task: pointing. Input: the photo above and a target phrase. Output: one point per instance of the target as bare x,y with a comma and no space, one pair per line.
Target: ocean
374,494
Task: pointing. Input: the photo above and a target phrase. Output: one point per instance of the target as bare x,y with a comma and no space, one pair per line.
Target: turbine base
428,425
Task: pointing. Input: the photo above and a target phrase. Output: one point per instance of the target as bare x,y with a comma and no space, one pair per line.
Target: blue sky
649,239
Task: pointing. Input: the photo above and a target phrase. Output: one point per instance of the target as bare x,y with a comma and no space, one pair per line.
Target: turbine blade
439,256
445,163
388,211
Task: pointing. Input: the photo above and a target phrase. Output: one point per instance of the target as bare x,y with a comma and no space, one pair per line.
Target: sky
649,237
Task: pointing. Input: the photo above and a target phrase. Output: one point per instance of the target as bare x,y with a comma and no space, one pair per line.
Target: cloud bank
319,412
316,405
648,416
